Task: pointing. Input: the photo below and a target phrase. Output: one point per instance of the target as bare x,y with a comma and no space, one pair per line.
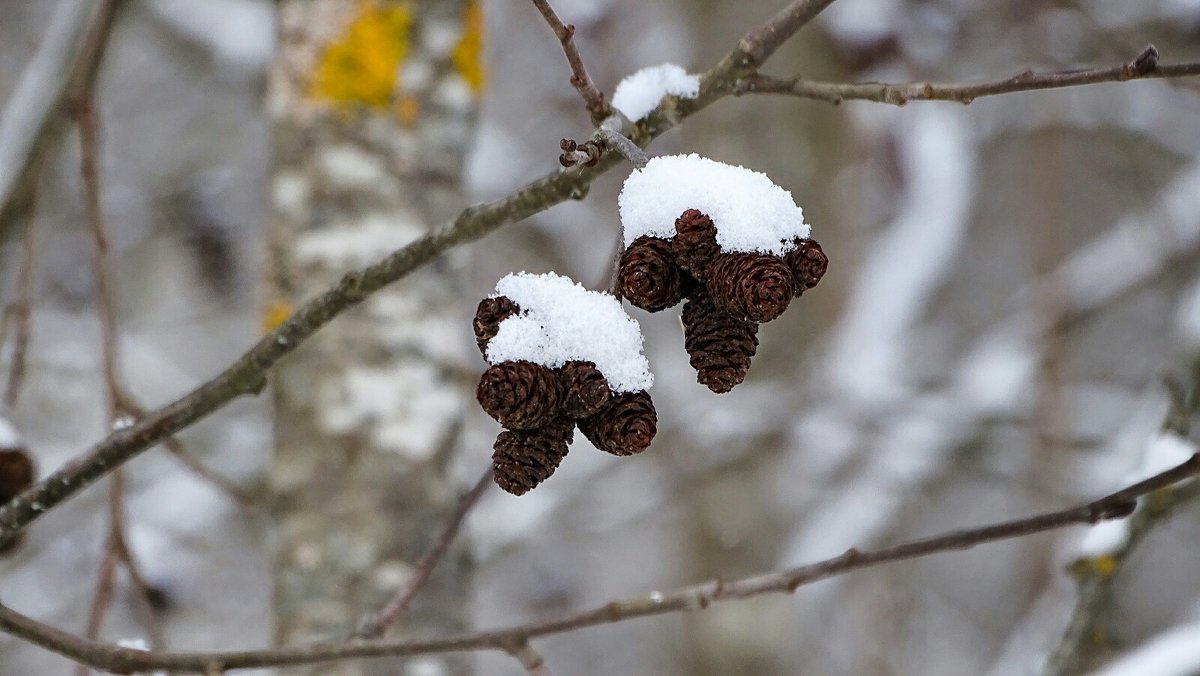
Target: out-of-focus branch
1143,67
592,97
60,74
697,597
117,548
377,625
248,374
18,311
1096,577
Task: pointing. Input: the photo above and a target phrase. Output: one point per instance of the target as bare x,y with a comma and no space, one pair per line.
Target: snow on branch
641,92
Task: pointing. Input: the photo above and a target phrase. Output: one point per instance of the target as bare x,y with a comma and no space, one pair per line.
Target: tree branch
248,374
592,97
1141,68
697,597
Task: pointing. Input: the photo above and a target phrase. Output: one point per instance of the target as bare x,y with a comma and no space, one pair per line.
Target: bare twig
617,141
19,312
377,625
102,656
592,97
900,94
117,547
607,136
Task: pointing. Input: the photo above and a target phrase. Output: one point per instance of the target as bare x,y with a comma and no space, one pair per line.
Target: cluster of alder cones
728,293
540,407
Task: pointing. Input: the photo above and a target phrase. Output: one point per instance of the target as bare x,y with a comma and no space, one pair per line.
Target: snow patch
750,212
9,436
1174,652
561,321
639,93
1164,451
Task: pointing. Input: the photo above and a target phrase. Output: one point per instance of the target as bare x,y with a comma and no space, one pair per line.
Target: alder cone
16,474
625,427
754,286
808,264
719,346
488,315
522,459
695,243
649,275
520,394
585,389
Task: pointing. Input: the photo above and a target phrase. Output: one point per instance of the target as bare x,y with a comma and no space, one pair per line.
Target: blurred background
1012,297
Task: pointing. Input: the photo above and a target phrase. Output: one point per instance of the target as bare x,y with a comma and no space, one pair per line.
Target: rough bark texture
366,415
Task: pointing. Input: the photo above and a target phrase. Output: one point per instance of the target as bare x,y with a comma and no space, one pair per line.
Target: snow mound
561,321
750,212
9,436
640,92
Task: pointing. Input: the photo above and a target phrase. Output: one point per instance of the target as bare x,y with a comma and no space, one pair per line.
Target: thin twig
377,625
617,141
900,94
113,658
607,136
592,97
117,546
102,595
19,311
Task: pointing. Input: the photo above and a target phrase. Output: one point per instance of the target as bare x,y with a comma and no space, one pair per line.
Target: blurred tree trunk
373,103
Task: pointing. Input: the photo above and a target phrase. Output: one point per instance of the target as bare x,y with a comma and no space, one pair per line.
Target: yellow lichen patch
468,54
1101,566
275,313
359,68
1104,565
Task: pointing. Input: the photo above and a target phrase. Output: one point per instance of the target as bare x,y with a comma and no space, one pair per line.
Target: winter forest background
1010,325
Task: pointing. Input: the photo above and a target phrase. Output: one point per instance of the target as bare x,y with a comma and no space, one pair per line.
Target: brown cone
585,389
808,263
719,346
625,427
523,459
753,286
16,474
695,243
520,394
488,315
650,277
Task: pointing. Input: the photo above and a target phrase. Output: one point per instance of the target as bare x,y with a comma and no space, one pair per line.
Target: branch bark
900,94
592,97
1116,505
